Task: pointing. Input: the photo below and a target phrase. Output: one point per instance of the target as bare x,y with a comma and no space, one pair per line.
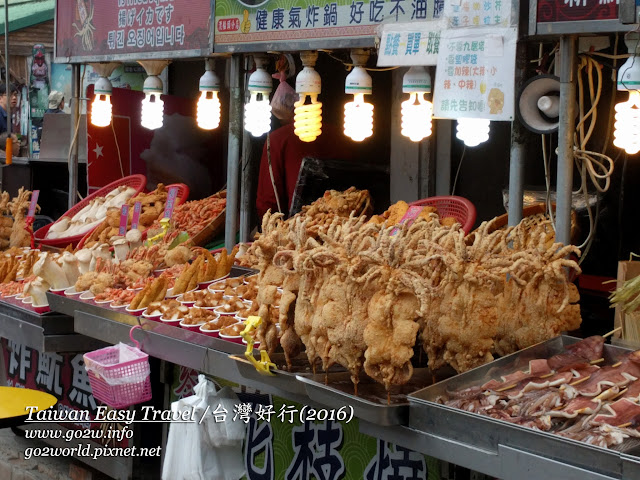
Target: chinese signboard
279,446
475,74
94,30
409,44
577,16
295,24
479,13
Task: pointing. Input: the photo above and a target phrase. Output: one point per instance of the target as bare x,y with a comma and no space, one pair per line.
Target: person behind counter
4,99
56,102
283,151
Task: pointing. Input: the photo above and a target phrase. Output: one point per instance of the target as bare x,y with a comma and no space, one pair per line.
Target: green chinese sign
245,25
279,446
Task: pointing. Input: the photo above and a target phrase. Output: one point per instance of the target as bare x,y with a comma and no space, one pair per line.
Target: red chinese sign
94,30
576,10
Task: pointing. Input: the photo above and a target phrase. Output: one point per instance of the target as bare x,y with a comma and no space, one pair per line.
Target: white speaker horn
539,104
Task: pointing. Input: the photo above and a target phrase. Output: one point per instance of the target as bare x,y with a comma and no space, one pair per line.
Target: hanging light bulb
152,105
101,106
307,119
358,114
416,117
208,110
257,112
627,125
473,131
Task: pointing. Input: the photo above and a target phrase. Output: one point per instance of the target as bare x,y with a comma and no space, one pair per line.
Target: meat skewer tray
336,390
492,436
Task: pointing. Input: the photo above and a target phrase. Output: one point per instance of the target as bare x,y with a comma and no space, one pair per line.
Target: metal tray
282,379
336,390
490,435
52,323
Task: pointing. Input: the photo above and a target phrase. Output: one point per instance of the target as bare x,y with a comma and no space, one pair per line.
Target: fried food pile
361,294
13,214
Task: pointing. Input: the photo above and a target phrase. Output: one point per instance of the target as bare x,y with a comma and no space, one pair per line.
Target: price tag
137,208
171,201
410,215
33,204
124,217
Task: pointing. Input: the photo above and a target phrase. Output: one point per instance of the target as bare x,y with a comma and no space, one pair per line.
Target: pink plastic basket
104,370
452,206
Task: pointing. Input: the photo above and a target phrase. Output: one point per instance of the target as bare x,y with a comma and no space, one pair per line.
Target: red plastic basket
183,194
132,378
137,182
452,206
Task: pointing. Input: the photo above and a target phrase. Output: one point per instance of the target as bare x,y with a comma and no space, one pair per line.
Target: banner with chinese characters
479,13
248,25
409,44
94,30
475,74
278,446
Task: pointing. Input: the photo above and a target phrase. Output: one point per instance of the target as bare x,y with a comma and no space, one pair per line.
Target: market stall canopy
25,13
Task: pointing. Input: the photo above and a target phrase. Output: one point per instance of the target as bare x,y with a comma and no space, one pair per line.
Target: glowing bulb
257,115
358,118
152,111
101,111
416,118
208,111
627,126
307,119
473,131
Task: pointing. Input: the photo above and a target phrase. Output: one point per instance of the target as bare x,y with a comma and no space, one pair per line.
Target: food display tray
493,436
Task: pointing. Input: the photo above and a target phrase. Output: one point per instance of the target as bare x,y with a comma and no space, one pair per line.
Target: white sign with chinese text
479,13
409,44
475,74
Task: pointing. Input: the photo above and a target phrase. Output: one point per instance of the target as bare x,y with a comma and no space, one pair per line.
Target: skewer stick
622,392
612,332
625,425
616,364
594,362
548,375
580,381
506,388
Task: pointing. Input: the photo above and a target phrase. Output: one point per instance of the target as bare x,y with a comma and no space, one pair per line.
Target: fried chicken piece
448,221
396,212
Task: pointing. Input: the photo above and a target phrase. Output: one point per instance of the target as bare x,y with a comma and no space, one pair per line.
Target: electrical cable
455,180
115,137
75,134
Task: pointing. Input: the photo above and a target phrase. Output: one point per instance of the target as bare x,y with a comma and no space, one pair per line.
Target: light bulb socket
308,81
416,80
260,81
358,81
103,87
209,82
152,84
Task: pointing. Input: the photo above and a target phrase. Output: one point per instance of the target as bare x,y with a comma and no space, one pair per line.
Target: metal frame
296,46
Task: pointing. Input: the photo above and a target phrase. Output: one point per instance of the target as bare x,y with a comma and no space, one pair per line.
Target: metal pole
233,159
7,75
518,150
565,137
246,182
75,118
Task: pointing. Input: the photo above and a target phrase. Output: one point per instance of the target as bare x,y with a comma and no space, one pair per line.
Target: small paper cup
224,313
173,323
27,300
247,280
135,312
87,296
256,344
186,303
216,286
209,333
71,292
41,308
204,285
155,317
229,338
191,328
170,293
117,307
101,302
58,291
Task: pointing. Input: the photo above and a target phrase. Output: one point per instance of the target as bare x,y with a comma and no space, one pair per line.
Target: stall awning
25,13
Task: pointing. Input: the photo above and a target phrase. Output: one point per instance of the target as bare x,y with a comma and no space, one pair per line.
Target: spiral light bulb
358,118
152,111
307,119
627,126
208,110
257,111
257,115
101,106
101,111
416,117
473,131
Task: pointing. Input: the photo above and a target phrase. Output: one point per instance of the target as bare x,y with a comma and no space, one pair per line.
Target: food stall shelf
514,442
46,333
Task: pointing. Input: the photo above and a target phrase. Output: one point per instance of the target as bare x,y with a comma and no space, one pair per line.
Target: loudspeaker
539,104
